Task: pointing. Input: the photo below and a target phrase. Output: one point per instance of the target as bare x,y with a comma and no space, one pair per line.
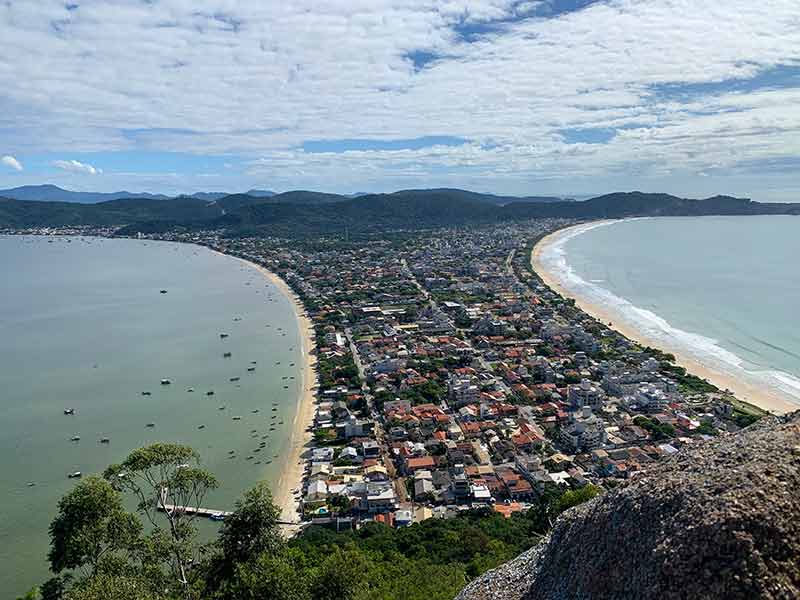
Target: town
451,377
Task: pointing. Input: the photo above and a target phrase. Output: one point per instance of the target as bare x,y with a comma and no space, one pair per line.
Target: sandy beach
765,399
293,467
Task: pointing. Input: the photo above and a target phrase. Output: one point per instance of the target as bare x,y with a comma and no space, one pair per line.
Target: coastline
760,397
293,468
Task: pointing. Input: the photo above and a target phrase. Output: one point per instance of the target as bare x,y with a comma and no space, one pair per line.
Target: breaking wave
651,326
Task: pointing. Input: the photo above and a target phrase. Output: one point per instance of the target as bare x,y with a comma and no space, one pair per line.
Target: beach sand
763,398
300,438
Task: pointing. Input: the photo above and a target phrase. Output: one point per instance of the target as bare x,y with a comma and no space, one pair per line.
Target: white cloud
74,166
260,78
11,162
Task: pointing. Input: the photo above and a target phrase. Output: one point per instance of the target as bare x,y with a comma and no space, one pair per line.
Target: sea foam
703,349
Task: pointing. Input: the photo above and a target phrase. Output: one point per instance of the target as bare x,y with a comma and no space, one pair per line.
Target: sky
563,97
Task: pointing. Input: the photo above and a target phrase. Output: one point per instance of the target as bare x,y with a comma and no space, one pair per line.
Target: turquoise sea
724,291
84,325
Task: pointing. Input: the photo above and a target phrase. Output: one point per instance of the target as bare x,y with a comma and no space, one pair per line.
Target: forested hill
301,213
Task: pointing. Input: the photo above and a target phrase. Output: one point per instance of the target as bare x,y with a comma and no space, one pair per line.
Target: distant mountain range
53,193
306,213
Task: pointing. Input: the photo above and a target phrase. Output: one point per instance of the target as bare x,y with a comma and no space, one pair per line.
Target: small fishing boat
222,336
146,394
227,355
210,393
75,475
105,440
69,411
233,379
75,438
201,426
221,408
166,382
237,418
163,291
254,411
151,424
250,369
190,390
215,517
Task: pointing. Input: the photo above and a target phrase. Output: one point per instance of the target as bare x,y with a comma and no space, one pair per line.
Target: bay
84,325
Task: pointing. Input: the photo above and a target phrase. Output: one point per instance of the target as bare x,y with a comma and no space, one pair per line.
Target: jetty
211,513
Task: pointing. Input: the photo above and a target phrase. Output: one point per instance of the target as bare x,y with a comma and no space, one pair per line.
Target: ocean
723,291
84,325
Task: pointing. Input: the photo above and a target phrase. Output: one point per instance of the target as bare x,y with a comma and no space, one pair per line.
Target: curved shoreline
293,469
761,397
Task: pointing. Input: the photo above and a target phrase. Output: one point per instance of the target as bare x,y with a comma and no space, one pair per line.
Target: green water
722,290
83,325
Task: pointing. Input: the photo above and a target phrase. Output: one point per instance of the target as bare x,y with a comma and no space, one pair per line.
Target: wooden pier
201,511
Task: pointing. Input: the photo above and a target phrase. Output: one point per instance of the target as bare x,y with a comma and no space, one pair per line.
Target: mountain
185,211
260,193
488,198
306,213
53,193
719,520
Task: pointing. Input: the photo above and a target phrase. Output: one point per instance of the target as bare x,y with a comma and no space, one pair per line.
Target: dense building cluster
451,377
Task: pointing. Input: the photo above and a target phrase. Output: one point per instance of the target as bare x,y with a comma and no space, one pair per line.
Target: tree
343,576
113,587
167,478
91,525
270,577
252,528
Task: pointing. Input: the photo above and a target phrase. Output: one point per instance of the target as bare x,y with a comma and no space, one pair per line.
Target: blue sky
572,97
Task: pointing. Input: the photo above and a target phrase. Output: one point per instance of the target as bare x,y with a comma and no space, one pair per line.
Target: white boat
69,411
75,475
166,382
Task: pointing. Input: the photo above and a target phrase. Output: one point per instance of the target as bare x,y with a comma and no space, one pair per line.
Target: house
419,463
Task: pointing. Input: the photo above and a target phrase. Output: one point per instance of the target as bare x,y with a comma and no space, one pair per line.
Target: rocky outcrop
718,520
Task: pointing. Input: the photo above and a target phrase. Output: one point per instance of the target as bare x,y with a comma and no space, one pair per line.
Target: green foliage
253,527
113,587
744,419
430,391
91,526
572,498
166,477
706,429
431,560
32,594
659,431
